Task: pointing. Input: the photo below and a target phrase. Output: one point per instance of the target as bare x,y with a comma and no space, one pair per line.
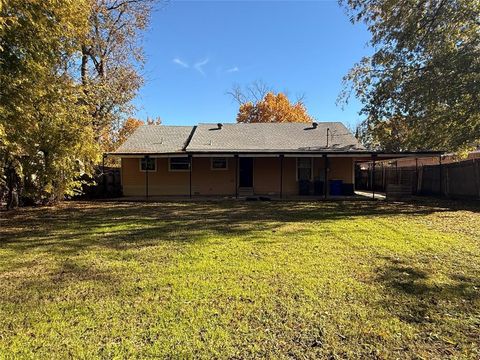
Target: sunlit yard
240,280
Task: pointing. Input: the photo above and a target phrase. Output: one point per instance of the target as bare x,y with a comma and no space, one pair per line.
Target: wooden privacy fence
457,179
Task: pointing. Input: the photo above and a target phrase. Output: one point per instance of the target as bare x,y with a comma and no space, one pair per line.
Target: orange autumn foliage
273,108
129,126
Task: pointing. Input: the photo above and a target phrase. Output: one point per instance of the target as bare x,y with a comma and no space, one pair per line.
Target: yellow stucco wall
205,181
341,169
160,182
266,175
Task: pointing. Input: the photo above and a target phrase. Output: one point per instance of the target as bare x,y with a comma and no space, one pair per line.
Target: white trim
218,169
345,155
303,155
354,155
166,156
399,156
156,156
311,168
179,170
213,155
140,165
254,155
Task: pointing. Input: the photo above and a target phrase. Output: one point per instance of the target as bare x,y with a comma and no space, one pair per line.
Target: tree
259,103
420,89
46,138
127,129
253,92
69,70
111,60
273,108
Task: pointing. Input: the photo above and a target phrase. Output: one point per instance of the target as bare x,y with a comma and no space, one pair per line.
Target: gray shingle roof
258,137
273,137
156,139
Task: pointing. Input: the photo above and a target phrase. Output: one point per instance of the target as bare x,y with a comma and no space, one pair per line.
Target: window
179,164
304,169
148,164
219,163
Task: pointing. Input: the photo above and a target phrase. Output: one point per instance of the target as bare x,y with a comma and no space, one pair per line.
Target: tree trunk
13,183
84,67
12,201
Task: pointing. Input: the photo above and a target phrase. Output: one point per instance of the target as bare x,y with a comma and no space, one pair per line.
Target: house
270,159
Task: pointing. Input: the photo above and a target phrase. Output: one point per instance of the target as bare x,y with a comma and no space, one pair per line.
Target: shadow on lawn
56,284
415,298
72,227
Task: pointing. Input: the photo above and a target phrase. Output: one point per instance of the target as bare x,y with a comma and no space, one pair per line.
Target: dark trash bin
304,187
347,189
336,187
318,187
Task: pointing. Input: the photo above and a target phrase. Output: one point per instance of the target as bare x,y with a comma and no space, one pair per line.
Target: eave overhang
255,153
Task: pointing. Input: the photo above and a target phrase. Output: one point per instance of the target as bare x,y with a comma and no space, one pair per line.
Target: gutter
291,153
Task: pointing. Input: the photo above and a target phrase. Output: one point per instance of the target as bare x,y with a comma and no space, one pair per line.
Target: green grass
240,280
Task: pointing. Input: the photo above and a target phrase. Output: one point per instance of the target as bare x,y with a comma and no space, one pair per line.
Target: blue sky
197,50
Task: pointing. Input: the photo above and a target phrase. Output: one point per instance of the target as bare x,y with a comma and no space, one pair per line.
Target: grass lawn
240,280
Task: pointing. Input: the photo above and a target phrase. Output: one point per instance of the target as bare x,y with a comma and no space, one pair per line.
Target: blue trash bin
336,187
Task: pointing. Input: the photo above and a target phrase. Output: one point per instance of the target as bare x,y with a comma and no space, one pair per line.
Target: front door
246,172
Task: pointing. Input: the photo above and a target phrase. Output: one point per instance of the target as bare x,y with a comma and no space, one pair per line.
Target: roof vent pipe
219,125
314,125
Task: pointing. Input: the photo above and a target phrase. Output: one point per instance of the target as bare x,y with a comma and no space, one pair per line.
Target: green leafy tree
420,89
46,137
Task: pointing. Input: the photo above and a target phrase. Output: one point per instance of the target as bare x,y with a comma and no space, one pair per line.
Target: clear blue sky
197,50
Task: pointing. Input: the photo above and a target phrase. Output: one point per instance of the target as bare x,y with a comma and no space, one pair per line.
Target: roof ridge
184,148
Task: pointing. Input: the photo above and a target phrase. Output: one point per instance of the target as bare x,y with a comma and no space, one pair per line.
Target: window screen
147,164
219,163
179,164
304,168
